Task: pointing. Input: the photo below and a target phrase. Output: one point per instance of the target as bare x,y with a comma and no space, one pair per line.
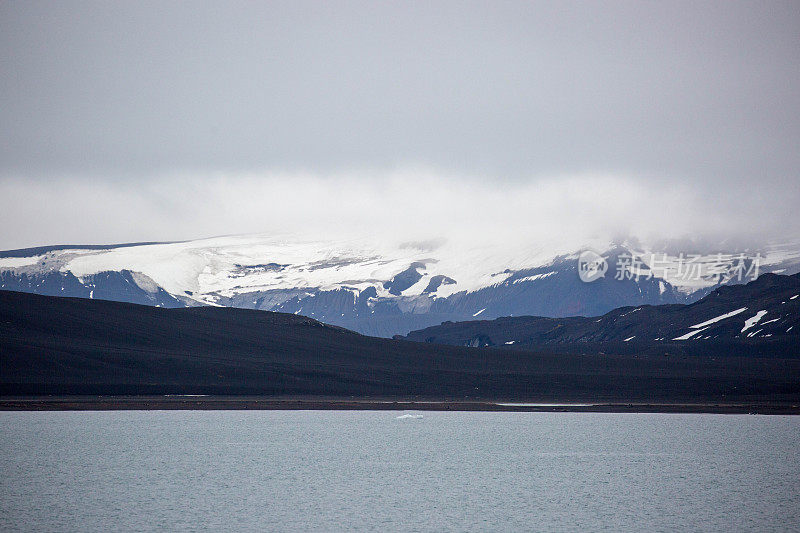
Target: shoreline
216,403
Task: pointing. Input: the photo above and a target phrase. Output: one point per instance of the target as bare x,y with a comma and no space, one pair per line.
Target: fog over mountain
511,123
545,223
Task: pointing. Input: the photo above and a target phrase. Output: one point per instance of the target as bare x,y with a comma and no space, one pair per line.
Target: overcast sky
161,120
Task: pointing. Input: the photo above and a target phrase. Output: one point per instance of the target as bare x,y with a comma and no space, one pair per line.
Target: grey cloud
703,91
121,95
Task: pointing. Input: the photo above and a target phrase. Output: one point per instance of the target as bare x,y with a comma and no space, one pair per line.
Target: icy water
370,471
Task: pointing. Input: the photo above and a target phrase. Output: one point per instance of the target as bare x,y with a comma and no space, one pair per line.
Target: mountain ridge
762,317
375,288
74,346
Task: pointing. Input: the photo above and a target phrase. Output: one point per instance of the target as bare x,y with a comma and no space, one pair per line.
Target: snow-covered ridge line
226,266
381,288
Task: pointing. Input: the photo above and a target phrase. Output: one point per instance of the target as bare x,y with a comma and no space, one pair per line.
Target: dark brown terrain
71,347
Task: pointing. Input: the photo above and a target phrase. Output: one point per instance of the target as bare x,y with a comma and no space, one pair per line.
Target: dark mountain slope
109,285
76,346
760,318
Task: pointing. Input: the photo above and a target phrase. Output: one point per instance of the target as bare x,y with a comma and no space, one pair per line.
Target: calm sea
370,471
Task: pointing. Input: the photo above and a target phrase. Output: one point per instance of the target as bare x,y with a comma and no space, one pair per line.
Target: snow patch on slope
534,277
16,262
689,335
720,317
752,321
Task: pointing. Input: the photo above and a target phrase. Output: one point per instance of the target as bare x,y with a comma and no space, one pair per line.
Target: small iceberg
404,417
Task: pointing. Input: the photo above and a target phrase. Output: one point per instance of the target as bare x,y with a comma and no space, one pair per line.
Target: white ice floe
406,417
752,321
720,317
629,338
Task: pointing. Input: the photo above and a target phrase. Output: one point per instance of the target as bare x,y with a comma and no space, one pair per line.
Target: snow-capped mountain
761,317
379,288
